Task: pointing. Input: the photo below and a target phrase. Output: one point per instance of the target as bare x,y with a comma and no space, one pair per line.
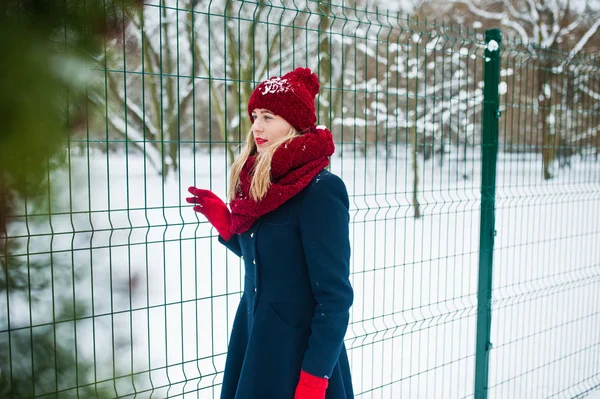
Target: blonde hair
261,175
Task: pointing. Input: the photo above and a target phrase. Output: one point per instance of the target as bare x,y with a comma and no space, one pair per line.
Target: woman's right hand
215,210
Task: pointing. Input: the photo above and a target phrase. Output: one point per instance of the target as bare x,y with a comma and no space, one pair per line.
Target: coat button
251,235
254,261
255,290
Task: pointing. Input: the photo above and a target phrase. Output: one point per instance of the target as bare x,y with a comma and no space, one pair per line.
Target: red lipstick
260,141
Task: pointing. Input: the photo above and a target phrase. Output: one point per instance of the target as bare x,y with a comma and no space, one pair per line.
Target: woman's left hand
311,387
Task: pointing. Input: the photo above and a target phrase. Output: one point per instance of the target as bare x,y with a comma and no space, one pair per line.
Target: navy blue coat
294,310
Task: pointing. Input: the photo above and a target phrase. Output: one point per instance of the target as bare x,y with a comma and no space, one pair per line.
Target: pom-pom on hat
291,96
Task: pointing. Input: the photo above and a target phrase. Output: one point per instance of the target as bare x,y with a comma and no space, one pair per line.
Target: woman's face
268,128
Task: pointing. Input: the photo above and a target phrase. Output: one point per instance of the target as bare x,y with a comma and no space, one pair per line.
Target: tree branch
535,22
132,108
503,18
217,100
569,28
589,92
584,39
150,52
534,15
136,138
133,136
516,14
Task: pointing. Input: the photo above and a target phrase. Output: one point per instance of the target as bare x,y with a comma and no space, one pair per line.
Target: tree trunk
324,68
170,155
415,169
548,137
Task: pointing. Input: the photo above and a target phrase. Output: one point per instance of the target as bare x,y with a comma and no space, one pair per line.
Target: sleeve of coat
233,244
324,225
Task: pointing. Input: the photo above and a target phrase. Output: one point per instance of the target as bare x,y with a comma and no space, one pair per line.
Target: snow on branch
591,132
497,16
569,28
583,41
513,11
137,139
534,15
133,108
589,92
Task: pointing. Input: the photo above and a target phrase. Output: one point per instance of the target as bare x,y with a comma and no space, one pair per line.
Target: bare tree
199,68
545,27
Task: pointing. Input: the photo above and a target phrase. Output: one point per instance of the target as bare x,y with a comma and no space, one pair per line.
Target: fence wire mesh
113,287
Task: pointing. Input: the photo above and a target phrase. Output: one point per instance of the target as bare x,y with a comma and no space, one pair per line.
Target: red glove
311,387
215,210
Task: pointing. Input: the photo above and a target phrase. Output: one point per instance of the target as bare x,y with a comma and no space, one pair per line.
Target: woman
289,223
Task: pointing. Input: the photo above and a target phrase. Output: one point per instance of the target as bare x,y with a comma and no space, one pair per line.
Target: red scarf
293,167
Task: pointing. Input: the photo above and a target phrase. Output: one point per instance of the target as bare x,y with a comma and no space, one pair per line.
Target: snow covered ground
156,291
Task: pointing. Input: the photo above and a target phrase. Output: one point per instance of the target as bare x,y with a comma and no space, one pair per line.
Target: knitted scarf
293,166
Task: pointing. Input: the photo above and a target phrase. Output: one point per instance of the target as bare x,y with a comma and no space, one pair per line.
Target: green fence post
489,153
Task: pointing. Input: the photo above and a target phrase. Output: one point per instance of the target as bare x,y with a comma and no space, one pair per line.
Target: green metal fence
472,166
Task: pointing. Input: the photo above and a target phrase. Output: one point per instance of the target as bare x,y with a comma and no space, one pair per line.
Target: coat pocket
292,315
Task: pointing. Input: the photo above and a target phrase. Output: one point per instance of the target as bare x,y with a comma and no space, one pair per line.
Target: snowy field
156,291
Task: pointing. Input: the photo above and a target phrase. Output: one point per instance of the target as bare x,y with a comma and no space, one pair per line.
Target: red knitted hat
291,96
